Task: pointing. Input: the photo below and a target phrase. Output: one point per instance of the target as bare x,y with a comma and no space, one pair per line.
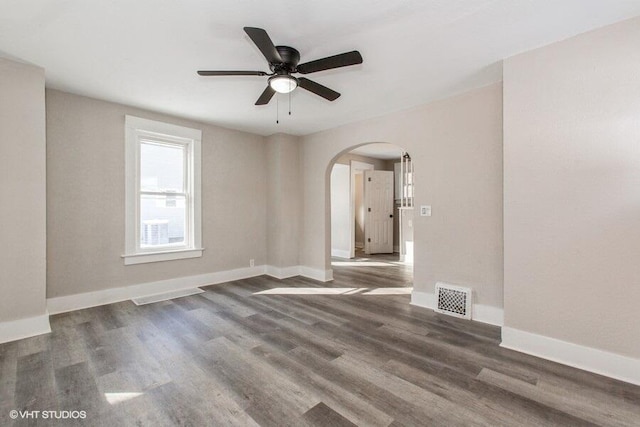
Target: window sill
143,258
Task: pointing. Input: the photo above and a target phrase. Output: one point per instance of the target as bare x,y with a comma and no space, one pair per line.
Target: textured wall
85,198
284,200
22,191
572,189
341,237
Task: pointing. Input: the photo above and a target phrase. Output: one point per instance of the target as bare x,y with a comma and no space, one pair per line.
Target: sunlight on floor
362,264
115,398
306,291
389,291
336,291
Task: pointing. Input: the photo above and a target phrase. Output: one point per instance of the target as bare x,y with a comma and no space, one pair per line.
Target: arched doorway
371,210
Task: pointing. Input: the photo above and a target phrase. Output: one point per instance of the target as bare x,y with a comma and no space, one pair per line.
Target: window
162,192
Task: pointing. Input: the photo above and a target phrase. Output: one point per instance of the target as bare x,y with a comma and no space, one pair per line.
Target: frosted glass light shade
283,83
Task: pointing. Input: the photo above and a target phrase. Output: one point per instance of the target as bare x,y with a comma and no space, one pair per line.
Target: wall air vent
453,300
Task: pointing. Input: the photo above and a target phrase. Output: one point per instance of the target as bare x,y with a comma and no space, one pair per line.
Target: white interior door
378,200
357,204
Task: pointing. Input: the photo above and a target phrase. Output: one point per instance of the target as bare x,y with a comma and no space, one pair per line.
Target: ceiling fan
283,61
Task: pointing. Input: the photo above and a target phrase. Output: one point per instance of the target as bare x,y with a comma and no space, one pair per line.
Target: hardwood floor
297,352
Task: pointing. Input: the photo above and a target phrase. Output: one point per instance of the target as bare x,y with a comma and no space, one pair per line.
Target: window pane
162,220
161,167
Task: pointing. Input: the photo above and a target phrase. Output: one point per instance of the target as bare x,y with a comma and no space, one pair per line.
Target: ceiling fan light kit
283,61
283,83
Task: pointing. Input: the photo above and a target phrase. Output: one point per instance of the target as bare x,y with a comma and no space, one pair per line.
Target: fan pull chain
277,110
289,103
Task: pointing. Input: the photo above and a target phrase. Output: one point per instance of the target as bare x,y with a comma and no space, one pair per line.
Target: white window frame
137,130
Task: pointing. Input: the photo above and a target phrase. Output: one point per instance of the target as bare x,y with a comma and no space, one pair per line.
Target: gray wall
22,191
456,145
341,219
572,189
85,198
284,200
378,164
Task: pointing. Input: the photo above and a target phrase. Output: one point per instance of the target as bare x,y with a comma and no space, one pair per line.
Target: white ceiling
379,150
146,52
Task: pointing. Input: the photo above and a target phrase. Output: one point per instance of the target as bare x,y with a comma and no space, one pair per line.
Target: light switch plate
425,210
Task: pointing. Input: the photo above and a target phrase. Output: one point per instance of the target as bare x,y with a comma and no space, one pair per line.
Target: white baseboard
423,299
299,270
316,274
340,253
407,259
487,314
24,328
108,296
479,312
586,358
282,272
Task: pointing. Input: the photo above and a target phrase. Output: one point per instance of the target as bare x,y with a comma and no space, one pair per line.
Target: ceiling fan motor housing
290,58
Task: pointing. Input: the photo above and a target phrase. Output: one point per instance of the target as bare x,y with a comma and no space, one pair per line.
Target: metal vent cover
453,300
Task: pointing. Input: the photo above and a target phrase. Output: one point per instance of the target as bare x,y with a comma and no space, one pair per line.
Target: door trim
357,167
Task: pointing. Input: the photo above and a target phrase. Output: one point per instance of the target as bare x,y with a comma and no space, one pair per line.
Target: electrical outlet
425,210
252,262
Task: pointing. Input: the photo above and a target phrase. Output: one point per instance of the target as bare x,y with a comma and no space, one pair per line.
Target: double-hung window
162,192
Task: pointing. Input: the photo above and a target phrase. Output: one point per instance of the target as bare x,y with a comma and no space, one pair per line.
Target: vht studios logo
48,415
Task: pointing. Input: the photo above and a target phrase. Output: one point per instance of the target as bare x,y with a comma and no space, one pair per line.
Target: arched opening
370,213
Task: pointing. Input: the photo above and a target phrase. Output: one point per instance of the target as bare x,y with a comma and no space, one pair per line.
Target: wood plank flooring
297,352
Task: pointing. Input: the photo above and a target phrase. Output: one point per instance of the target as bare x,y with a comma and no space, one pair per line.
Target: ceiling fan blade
336,61
318,89
266,96
232,73
264,43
